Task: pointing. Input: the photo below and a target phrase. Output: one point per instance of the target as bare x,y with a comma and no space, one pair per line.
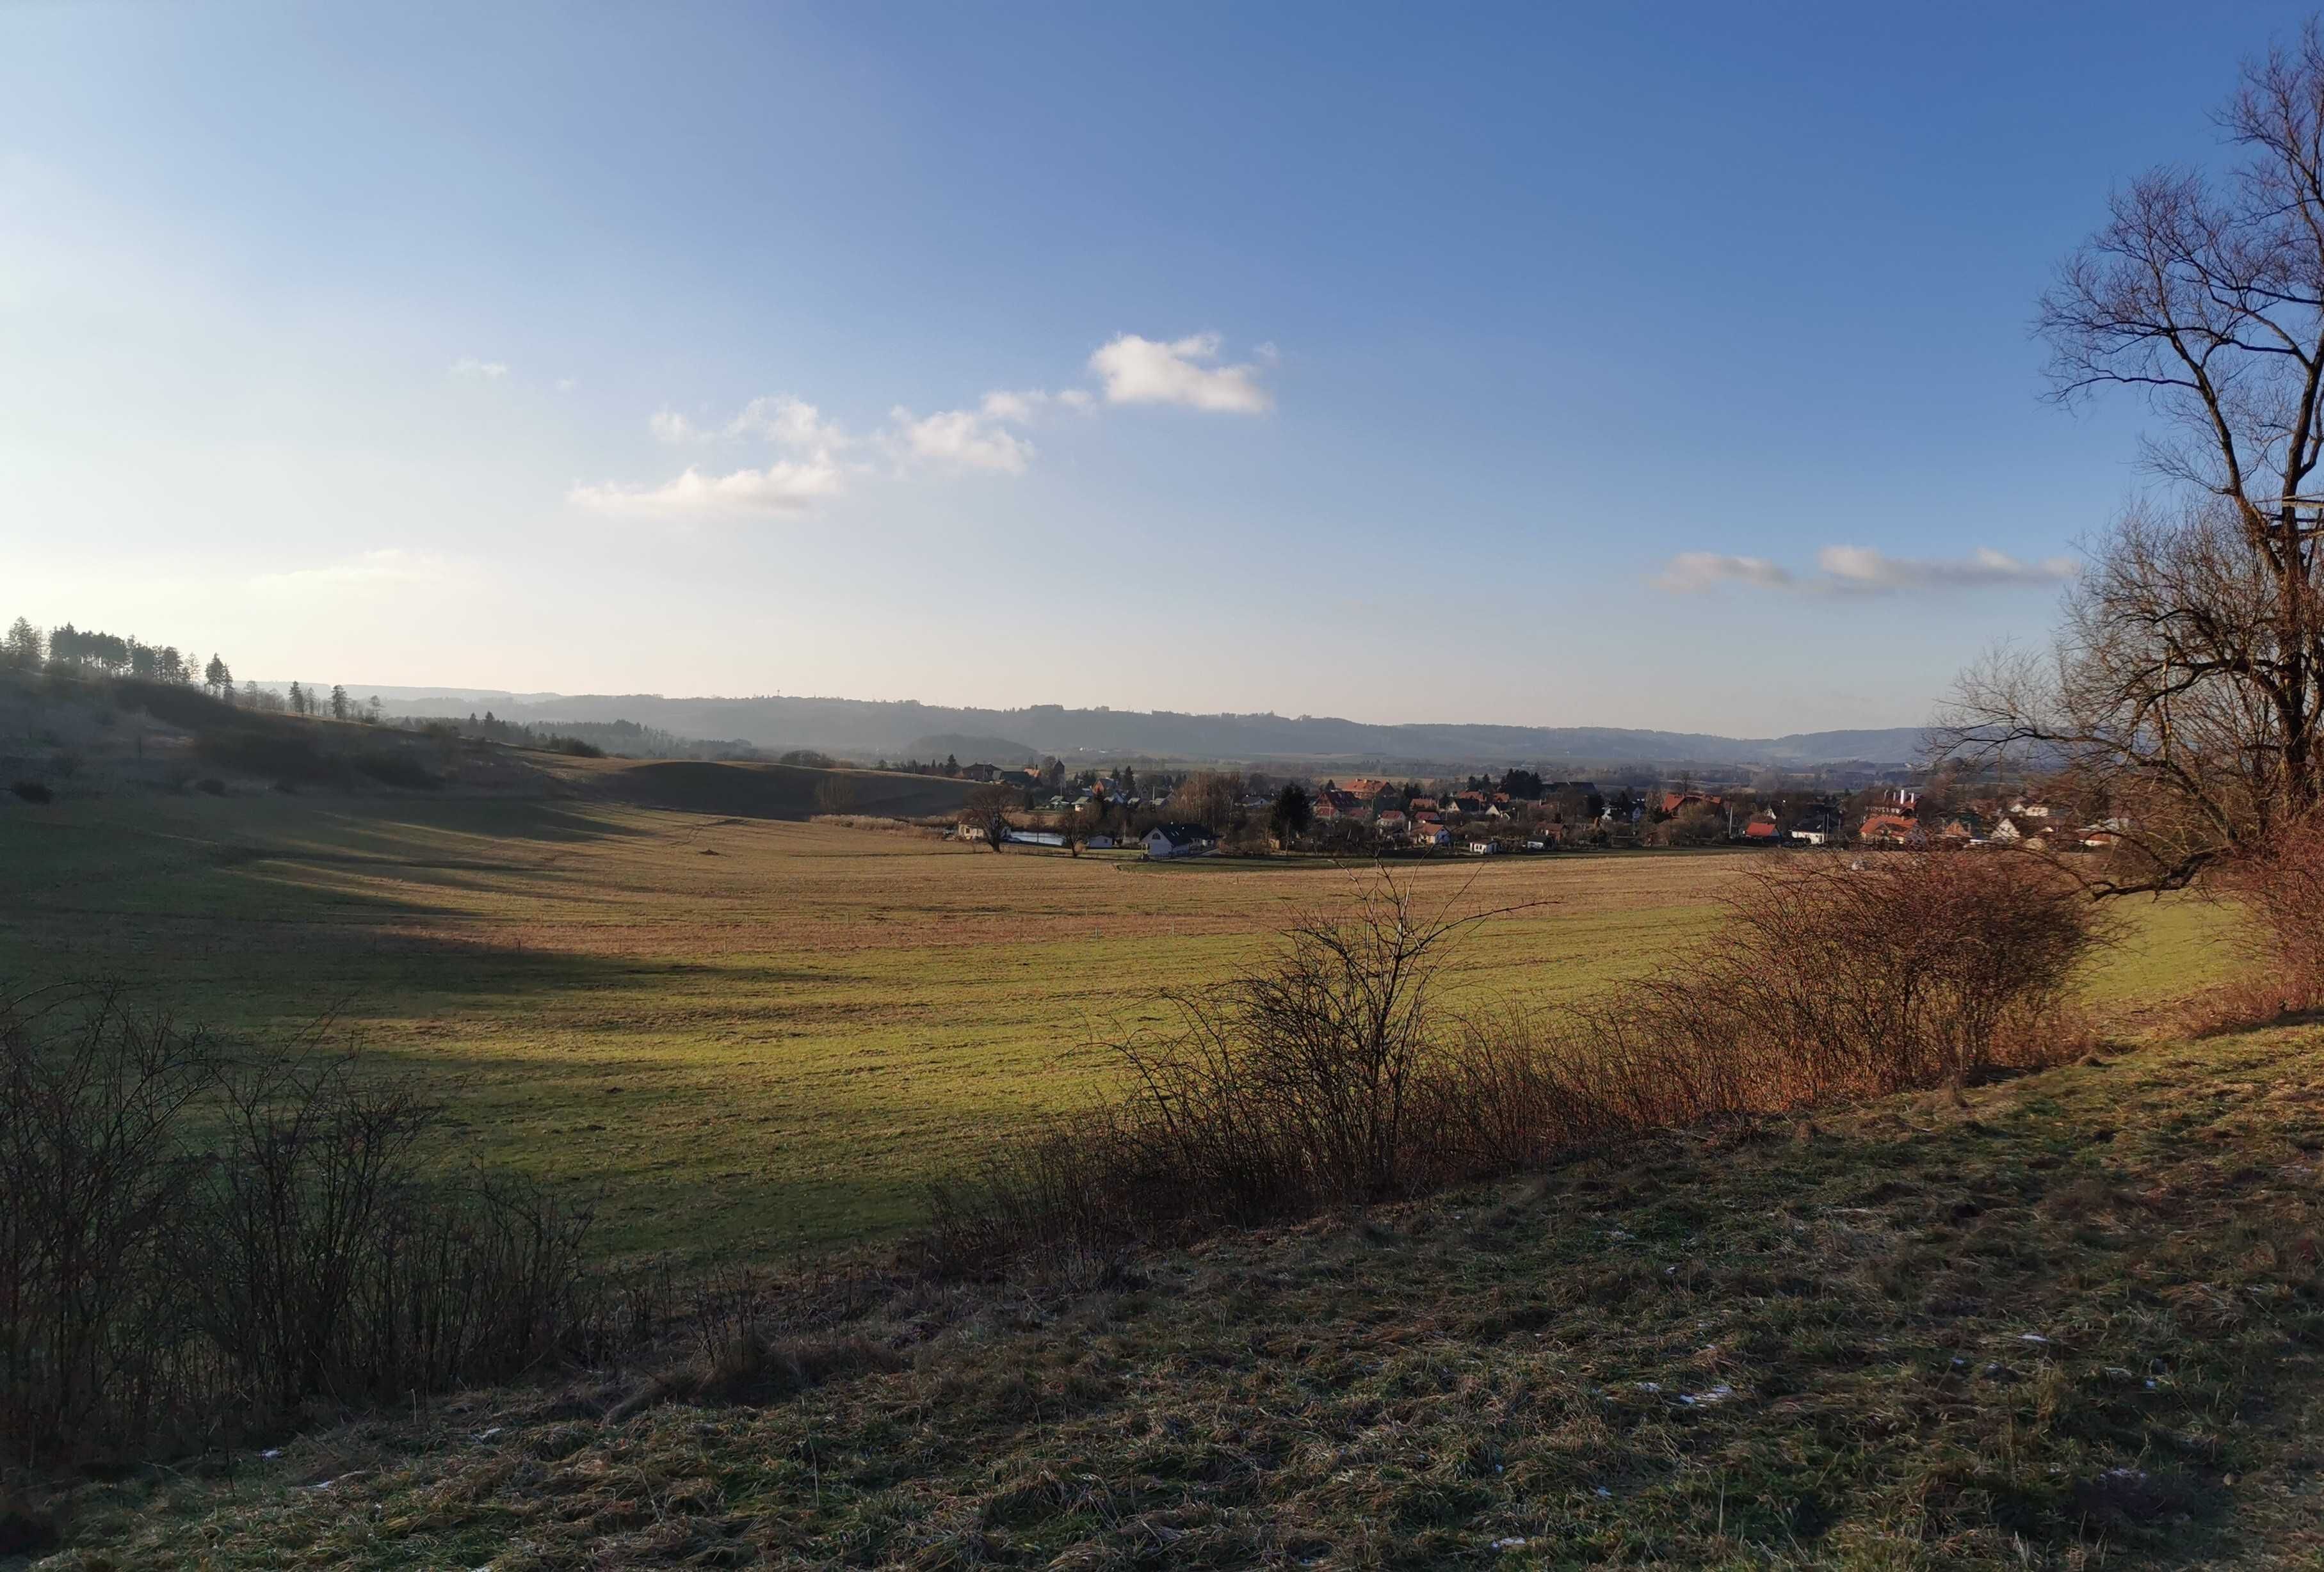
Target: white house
1165,840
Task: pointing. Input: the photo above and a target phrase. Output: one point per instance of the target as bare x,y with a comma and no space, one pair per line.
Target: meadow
755,1038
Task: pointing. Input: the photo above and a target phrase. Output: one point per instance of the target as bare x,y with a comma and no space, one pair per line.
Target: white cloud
567,384
786,421
789,422
964,438
490,370
1141,371
370,569
1690,571
989,437
789,487
1002,405
1863,570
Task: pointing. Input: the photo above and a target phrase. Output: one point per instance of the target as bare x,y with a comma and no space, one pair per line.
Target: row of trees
26,648
89,652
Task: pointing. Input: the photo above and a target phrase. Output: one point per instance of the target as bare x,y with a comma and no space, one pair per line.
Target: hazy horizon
1665,370
414,692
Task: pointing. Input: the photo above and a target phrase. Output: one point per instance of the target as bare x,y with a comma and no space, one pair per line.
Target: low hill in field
2071,1320
67,737
777,791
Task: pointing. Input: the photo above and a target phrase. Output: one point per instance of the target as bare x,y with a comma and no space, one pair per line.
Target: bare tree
2186,687
986,807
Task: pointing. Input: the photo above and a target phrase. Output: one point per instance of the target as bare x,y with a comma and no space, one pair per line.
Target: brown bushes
1837,979
1330,1077
189,1247
1306,1083
2283,885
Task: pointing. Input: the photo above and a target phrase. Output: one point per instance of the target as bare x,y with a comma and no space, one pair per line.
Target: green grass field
756,1036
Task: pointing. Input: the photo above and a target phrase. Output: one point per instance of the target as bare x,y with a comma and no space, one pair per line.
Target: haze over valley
864,730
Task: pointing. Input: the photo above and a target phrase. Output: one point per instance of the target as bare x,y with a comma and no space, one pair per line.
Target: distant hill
867,729
969,747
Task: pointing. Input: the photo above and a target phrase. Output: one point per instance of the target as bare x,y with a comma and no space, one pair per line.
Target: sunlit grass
756,1036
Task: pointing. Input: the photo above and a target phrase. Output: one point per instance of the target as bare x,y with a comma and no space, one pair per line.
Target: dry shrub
2283,885
1835,980
96,1188
1308,1082
1329,1077
191,1247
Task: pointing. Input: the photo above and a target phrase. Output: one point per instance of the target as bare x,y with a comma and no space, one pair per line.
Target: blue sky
1658,366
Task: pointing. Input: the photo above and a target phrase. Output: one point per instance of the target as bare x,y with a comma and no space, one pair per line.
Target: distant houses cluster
1204,812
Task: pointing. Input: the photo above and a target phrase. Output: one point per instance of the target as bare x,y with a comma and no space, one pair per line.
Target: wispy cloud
669,425
781,418
1862,570
789,487
488,371
1144,371
1864,567
371,569
790,423
965,439
1690,571
821,457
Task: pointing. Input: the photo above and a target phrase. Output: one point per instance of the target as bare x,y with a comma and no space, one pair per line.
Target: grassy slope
2072,1323
753,1034
769,791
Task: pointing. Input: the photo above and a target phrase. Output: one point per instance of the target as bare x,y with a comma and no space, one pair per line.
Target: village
1223,812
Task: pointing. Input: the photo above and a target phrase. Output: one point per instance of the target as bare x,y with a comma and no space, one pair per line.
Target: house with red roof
1889,830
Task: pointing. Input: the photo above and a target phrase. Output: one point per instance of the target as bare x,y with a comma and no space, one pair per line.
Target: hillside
2070,1321
866,728
77,738
969,747
775,791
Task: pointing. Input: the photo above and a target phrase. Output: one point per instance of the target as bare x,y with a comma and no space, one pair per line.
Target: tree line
89,652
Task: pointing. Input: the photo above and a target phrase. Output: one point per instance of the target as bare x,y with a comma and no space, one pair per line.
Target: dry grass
1332,1075
2070,1321
770,1046
912,827
755,1036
